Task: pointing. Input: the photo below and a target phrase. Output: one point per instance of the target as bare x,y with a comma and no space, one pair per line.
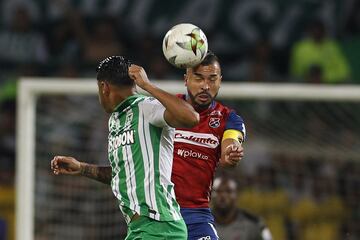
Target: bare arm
178,112
98,173
70,166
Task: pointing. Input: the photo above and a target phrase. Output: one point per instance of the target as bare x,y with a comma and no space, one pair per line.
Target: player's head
224,194
112,75
203,81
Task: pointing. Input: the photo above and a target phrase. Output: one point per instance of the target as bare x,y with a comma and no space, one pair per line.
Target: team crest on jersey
214,122
114,123
128,118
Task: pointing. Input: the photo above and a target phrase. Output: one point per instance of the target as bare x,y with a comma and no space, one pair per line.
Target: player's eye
198,78
213,79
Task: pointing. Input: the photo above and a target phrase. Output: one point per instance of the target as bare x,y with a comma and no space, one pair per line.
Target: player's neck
120,95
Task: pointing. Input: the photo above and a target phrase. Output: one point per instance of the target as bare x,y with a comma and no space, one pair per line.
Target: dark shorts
199,223
202,231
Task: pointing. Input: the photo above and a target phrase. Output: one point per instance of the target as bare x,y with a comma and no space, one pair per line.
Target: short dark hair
115,70
210,58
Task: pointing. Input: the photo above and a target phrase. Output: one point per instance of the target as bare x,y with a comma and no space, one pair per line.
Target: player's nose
205,86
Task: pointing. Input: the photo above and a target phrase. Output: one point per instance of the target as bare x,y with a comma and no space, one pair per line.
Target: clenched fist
65,165
233,154
139,76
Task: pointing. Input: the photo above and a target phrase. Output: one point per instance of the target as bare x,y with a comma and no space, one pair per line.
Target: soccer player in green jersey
140,150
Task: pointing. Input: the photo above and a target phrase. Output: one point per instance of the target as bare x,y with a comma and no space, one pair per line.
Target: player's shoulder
135,99
148,100
230,115
145,98
218,106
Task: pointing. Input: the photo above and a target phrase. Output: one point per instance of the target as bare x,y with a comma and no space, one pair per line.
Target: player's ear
105,88
186,76
185,79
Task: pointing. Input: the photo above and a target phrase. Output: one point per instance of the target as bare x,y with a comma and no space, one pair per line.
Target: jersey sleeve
235,122
154,112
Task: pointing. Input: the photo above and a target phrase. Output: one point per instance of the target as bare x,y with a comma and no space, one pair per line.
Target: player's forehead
207,70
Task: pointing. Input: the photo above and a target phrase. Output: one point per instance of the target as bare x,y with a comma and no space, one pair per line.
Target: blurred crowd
298,174
61,38
304,198
66,38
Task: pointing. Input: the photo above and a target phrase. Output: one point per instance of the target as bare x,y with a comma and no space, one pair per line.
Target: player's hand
65,165
139,76
233,154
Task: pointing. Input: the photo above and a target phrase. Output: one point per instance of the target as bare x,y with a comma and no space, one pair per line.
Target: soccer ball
185,45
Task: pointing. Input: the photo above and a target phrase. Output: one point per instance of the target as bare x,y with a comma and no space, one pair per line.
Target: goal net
303,131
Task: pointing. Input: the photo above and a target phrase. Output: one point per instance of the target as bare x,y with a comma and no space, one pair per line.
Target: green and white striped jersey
141,155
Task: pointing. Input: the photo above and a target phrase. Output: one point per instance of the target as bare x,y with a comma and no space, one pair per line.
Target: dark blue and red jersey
197,152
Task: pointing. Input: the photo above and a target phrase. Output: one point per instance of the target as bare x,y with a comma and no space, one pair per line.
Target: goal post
30,89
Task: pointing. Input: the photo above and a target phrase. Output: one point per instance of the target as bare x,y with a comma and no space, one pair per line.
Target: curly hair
115,70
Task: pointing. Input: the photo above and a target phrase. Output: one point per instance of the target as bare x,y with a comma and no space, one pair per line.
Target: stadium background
255,41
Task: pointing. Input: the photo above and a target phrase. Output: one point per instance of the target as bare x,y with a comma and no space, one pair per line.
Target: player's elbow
187,118
191,120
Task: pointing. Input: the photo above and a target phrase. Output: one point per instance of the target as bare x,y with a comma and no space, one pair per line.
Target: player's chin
203,103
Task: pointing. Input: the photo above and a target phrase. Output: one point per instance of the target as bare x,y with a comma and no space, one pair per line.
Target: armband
233,134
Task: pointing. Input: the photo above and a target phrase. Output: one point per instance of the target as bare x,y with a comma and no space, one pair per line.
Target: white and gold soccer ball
185,45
